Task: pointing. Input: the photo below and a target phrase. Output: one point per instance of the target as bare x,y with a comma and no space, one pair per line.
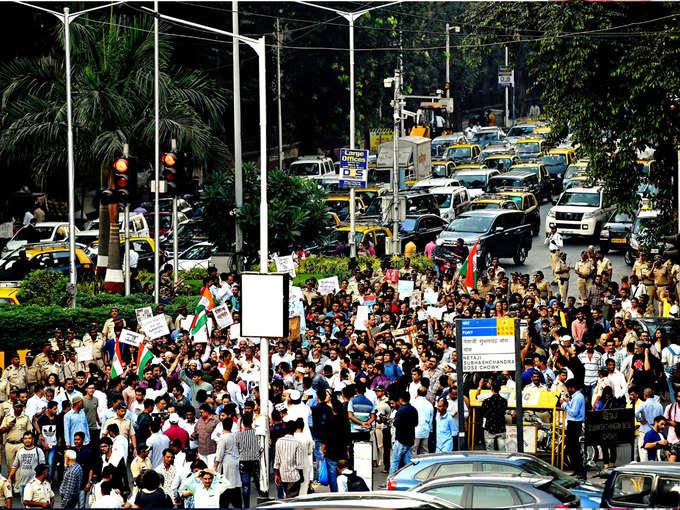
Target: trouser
588,394
582,285
317,456
642,453
250,471
563,287
401,455
554,257
332,474
11,450
291,489
651,292
494,442
51,461
377,436
420,446
574,430
71,503
82,498
609,453
671,388
231,497
386,447
660,289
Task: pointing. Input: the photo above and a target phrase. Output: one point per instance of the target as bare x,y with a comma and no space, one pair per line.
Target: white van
451,201
138,228
312,167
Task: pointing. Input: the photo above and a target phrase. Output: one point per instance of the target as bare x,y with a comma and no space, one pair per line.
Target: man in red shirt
174,431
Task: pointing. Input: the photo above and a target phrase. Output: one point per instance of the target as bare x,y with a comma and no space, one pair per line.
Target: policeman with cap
42,358
95,339
543,286
32,370
515,285
111,323
16,373
7,405
57,341
12,428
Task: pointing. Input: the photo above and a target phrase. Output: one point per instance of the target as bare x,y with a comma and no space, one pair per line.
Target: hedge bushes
25,327
337,266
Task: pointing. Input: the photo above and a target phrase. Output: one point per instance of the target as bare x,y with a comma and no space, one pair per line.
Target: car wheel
520,255
628,258
604,247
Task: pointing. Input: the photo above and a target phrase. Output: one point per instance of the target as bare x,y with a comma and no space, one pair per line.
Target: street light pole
66,19
157,157
507,95
395,165
448,61
238,159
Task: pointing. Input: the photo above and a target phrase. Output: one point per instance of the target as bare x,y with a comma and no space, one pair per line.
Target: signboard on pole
609,425
488,345
506,76
353,168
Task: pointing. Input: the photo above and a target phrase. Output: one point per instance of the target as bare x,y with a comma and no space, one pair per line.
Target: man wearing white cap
296,409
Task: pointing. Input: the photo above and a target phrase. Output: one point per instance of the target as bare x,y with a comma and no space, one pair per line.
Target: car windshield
439,170
528,147
518,201
408,225
647,189
497,183
470,224
554,159
191,230
473,181
621,218
339,207
197,253
458,153
484,137
44,232
484,205
303,169
496,163
580,199
533,169
643,224
522,130
539,467
443,200
573,170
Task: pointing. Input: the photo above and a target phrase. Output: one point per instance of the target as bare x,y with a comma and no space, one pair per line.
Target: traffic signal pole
175,244
126,219
71,163
157,158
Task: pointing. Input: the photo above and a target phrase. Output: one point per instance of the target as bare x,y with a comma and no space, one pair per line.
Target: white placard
285,265
328,285
264,304
155,327
362,318
222,316
295,293
449,317
435,312
84,353
185,324
430,297
422,315
416,299
528,431
235,331
405,288
130,338
143,313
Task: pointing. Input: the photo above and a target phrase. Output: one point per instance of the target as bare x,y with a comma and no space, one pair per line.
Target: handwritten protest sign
143,313
130,338
285,265
405,288
155,327
222,316
328,285
362,318
84,353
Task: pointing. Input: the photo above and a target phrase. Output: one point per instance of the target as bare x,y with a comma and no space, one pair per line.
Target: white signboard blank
264,305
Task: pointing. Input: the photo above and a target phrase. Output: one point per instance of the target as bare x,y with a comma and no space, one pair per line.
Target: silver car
373,499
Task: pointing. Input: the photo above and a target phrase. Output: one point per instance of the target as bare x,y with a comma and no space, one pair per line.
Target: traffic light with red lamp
174,172
124,180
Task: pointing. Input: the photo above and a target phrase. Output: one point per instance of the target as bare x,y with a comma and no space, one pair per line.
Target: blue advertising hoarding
353,168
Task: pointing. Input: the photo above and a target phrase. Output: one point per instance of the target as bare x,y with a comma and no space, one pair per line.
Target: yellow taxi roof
147,239
515,193
362,228
458,145
561,150
9,293
530,140
500,156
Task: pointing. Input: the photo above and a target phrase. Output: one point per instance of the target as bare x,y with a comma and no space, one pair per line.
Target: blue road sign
353,168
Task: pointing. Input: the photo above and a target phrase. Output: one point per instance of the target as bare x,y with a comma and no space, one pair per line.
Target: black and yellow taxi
463,152
528,203
492,201
52,256
9,292
376,235
530,148
501,162
557,160
443,168
339,204
143,246
544,189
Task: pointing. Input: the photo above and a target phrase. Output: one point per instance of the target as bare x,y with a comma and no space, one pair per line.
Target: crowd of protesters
183,426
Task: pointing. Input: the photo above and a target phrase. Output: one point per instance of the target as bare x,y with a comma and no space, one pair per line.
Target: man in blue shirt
405,422
575,406
447,428
361,412
76,421
654,440
645,414
424,427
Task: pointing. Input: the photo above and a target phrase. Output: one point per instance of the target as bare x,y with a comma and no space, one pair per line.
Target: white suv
579,211
312,167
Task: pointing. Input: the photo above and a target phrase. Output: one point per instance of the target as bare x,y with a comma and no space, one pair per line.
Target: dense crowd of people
177,422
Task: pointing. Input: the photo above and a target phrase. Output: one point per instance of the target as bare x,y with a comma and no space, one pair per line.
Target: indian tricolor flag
144,356
117,364
199,326
468,270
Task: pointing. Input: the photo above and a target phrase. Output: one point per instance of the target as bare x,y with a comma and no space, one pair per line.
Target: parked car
443,168
492,201
462,152
165,205
420,229
52,256
579,212
49,231
530,148
436,465
138,228
441,143
650,325
501,161
199,255
638,237
487,135
452,201
556,161
514,180
374,499
417,202
519,131
142,245
499,490
643,485
544,190
435,182
9,293
526,201
501,233
614,233
188,234
339,204
309,167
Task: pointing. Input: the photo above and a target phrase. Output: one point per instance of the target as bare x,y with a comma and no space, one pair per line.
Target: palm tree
113,89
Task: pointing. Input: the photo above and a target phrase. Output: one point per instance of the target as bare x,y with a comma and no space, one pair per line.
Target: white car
198,255
312,167
49,231
579,212
451,201
475,180
435,182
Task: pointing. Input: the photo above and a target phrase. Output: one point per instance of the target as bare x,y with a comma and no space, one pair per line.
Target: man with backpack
348,480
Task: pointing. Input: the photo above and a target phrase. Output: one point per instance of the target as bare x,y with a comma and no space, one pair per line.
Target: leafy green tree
606,73
297,212
45,288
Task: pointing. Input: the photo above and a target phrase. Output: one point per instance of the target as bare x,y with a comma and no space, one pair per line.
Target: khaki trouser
582,285
11,450
563,286
554,258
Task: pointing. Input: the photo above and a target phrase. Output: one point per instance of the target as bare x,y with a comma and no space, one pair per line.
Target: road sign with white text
353,168
488,344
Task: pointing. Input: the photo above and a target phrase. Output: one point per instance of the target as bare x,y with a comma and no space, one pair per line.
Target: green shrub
197,273
45,288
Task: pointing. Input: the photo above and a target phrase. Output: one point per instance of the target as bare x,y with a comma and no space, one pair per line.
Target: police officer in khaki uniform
111,322
16,374
71,341
33,374
12,429
53,366
7,405
584,273
515,284
662,280
57,341
544,290
604,265
553,240
562,273
43,357
485,287
95,339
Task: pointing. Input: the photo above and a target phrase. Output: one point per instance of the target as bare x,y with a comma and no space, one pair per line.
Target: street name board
610,426
353,168
488,344
506,76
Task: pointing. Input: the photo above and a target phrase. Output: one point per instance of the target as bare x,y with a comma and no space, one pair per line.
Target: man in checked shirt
288,463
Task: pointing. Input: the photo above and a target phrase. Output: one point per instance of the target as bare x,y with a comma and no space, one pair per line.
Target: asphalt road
539,258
